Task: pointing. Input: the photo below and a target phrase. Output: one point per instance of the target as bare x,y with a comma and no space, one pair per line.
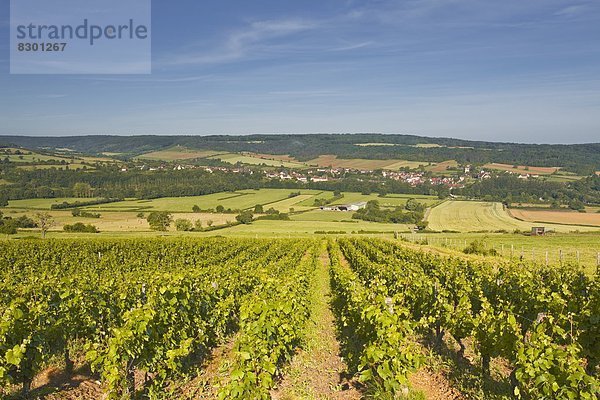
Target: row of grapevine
376,330
544,320
147,305
272,322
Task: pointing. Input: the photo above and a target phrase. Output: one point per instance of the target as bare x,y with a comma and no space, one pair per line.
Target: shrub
478,247
245,217
183,225
80,227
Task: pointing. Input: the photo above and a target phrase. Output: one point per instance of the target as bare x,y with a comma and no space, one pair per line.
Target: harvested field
558,217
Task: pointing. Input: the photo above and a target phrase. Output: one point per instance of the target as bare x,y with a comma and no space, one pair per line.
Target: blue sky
511,70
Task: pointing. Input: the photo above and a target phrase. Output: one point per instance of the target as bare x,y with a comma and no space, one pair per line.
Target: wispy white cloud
572,11
239,44
51,96
354,46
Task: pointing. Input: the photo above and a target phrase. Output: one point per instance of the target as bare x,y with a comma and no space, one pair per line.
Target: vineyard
143,314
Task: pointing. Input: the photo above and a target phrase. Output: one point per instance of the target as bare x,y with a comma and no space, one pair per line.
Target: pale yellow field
234,158
362,163
558,217
121,221
522,169
177,153
442,166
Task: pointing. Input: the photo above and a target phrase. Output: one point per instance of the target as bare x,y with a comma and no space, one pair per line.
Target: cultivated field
473,216
294,202
303,318
238,200
177,153
359,163
43,204
234,158
522,168
557,217
111,222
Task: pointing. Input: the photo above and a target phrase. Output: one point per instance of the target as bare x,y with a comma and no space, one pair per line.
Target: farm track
318,371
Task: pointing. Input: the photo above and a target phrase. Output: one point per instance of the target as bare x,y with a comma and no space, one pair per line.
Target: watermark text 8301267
80,37
42,46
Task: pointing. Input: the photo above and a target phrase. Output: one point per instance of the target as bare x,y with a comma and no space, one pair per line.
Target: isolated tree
8,226
220,208
159,220
44,222
198,225
196,208
245,217
183,225
209,222
258,209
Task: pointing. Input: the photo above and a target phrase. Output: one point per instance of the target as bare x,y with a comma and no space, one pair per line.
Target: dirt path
317,372
433,385
211,373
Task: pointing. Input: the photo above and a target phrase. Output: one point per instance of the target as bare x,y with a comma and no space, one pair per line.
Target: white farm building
345,207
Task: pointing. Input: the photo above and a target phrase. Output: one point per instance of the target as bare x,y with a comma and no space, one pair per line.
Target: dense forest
582,159
511,189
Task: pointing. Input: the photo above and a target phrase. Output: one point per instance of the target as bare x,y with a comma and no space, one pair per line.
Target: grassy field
295,203
234,158
294,228
28,156
523,169
42,204
72,166
242,199
177,153
563,177
533,248
391,200
463,216
557,217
